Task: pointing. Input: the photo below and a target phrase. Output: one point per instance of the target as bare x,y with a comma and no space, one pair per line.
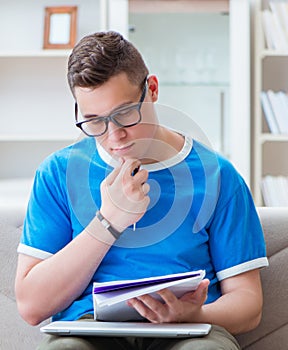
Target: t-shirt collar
179,157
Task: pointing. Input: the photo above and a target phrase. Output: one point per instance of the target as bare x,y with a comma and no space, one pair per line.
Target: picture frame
60,27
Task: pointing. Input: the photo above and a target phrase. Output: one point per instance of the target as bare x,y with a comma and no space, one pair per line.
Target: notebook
110,298
125,329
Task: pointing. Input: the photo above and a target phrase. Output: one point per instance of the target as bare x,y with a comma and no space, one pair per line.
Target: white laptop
125,329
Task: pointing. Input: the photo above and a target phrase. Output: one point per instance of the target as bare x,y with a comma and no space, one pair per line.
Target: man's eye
127,111
124,113
127,108
96,121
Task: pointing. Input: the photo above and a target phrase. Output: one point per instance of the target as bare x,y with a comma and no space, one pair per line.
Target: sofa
272,333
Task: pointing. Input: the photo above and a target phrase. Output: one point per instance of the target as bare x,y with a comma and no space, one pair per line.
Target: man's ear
152,82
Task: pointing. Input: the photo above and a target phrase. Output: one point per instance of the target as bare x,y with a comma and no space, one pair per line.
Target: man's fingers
130,168
145,188
112,176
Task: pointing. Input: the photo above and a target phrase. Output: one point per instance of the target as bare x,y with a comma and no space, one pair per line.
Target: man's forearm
49,286
238,312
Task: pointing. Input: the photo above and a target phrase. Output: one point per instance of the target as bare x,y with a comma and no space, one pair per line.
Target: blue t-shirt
201,216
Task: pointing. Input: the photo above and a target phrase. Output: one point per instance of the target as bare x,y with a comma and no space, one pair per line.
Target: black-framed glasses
123,117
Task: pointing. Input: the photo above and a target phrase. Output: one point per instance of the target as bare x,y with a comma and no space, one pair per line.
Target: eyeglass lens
127,117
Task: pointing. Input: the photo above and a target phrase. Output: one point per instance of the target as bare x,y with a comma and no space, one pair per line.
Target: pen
134,172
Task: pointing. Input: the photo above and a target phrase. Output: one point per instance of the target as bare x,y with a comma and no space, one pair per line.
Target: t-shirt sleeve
237,242
47,227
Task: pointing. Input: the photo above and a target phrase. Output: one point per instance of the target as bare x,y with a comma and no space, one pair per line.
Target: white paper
112,305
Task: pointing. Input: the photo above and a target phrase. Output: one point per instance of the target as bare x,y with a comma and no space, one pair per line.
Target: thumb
201,292
198,296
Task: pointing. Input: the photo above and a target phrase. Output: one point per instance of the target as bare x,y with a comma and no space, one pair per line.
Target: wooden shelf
273,53
35,53
270,73
185,6
37,138
267,137
195,83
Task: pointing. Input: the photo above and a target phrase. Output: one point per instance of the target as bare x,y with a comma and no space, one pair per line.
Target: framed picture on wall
60,27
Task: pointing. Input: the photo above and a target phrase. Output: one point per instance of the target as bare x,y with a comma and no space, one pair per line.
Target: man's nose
115,131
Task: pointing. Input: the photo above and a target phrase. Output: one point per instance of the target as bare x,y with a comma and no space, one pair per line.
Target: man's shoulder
62,157
207,156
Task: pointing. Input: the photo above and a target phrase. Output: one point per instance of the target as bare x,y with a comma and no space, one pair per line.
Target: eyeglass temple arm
76,112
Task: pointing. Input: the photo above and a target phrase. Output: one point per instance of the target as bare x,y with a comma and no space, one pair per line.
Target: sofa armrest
272,331
15,332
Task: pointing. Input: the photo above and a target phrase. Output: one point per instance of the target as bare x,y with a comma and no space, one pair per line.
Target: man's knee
67,343
217,339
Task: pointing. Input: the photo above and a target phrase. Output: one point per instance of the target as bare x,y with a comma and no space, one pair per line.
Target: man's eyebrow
114,110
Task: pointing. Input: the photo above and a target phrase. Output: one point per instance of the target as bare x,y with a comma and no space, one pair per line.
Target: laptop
127,329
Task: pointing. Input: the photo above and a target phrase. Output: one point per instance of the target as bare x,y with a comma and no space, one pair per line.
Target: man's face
117,94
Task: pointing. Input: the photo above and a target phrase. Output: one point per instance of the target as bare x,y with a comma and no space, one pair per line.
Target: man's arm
45,287
238,310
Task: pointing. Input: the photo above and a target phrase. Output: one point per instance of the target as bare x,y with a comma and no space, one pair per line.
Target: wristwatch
116,234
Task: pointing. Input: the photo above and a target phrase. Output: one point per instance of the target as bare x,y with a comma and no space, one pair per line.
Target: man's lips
122,149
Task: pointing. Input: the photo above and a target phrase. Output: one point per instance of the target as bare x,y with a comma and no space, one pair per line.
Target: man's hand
124,195
170,308
238,309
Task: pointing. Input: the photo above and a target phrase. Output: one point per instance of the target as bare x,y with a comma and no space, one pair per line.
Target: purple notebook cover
137,283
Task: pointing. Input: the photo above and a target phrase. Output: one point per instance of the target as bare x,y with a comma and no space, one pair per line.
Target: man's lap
217,339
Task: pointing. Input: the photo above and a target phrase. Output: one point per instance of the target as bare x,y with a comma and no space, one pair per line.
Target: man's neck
165,145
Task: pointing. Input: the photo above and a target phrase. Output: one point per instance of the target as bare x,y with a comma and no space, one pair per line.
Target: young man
190,207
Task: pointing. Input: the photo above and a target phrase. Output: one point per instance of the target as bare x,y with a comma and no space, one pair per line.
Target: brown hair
99,56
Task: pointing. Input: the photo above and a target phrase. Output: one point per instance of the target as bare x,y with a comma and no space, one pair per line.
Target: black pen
134,172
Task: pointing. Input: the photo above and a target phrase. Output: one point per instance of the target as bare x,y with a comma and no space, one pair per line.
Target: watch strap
116,234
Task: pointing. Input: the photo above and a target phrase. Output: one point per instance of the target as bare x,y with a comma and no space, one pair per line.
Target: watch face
105,223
